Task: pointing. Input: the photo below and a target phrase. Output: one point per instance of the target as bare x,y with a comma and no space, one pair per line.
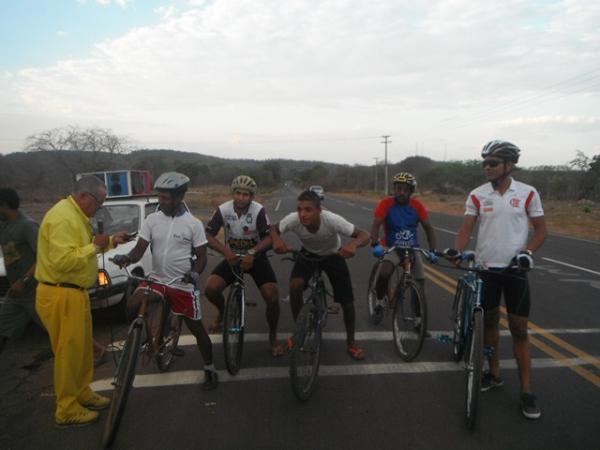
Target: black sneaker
211,380
529,408
489,381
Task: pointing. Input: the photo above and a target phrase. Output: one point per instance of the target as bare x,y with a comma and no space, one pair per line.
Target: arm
279,246
539,233
377,222
217,245
426,224
361,238
464,234
138,251
200,263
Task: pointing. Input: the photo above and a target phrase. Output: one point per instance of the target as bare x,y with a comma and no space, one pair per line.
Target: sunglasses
95,198
491,163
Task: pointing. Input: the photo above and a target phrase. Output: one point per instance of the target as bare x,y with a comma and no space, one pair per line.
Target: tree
580,162
66,144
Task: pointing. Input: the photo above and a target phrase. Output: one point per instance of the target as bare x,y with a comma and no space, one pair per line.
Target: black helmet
501,149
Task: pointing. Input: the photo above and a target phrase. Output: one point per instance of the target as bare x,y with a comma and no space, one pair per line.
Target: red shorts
182,302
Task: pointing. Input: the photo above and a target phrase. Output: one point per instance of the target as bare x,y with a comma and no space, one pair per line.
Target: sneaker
211,380
81,419
489,381
529,408
96,402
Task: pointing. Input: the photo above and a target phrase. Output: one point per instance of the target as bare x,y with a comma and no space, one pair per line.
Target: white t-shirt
172,240
503,221
326,240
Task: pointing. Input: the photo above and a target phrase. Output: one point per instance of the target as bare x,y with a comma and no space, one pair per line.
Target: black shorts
261,271
515,287
335,268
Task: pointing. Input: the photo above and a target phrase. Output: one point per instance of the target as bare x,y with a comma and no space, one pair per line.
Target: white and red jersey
503,221
241,232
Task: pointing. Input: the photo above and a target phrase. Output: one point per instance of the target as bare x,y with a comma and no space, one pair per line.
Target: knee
211,292
296,285
518,331
386,270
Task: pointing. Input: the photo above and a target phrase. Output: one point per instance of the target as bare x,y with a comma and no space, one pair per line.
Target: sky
306,79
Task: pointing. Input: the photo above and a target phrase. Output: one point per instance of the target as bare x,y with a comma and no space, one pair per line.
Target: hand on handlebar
432,257
121,260
378,251
192,277
524,260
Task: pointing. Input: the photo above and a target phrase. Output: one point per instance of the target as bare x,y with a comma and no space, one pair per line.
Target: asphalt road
380,402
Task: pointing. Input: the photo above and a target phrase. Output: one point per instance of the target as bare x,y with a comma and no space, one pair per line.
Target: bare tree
66,143
580,162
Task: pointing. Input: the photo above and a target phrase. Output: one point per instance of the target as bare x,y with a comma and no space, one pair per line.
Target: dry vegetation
581,219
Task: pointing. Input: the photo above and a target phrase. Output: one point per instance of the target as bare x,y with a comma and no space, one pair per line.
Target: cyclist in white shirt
246,227
319,232
504,208
172,233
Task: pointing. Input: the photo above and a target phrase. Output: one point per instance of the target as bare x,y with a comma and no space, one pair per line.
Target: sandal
356,353
277,350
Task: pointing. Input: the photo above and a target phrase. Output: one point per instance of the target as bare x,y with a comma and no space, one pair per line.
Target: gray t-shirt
18,239
326,240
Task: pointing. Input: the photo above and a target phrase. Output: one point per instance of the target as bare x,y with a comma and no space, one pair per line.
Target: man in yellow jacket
66,268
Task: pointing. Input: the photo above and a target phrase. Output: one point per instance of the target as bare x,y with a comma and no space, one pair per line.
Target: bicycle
408,304
140,338
234,321
305,354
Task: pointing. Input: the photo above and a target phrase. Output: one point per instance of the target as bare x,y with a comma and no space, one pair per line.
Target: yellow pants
66,314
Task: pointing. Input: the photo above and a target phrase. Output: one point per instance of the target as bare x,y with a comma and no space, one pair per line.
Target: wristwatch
251,252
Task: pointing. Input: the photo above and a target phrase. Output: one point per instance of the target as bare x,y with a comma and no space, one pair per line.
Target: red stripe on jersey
475,201
528,201
420,208
381,211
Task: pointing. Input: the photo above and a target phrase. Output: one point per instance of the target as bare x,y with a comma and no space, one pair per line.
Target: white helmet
170,181
244,182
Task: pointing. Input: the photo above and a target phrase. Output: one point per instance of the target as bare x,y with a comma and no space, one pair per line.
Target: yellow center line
447,283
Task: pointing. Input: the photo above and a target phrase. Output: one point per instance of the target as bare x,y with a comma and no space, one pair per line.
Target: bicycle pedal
489,351
444,338
334,309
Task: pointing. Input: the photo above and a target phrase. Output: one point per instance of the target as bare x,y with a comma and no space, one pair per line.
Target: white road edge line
570,265
189,340
278,205
195,377
445,230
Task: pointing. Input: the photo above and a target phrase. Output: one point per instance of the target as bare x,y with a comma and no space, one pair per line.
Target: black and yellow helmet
244,182
405,177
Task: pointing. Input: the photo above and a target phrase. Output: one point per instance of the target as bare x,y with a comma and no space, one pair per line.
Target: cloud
62,34
336,68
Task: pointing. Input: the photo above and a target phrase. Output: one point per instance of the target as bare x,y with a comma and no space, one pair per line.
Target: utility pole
375,187
386,141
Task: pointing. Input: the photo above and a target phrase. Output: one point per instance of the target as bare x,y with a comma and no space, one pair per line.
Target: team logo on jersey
515,202
404,238
249,218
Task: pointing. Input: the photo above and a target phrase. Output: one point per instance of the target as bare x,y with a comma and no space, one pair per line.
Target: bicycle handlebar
148,278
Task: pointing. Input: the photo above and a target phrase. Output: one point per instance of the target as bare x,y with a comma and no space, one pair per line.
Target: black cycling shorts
515,287
261,271
335,268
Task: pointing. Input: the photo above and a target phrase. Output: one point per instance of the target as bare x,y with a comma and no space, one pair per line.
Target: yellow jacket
65,252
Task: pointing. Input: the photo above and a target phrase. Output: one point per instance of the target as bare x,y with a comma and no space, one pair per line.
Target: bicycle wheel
409,322
168,339
474,368
458,311
305,354
233,330
375,311
124,375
